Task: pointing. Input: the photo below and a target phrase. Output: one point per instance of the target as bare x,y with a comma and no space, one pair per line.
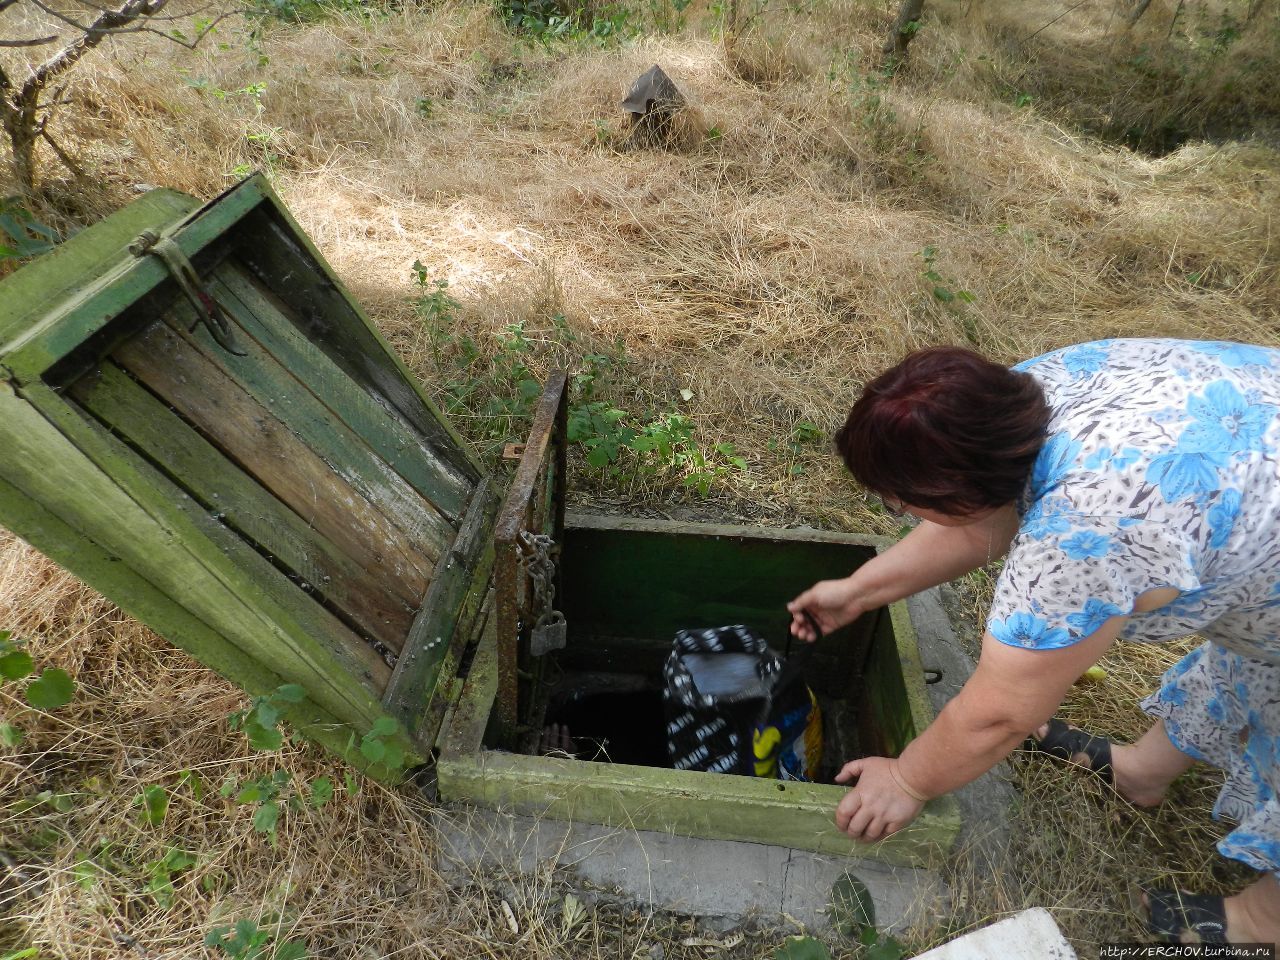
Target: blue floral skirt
1223,708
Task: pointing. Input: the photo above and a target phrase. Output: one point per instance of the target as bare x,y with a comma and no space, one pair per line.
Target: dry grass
771,270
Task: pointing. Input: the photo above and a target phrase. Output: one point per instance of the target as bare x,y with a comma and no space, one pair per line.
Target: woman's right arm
929,555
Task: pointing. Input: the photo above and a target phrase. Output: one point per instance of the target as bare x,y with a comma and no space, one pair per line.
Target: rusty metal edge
549,419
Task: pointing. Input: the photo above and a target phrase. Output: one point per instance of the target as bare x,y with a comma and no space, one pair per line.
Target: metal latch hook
184,275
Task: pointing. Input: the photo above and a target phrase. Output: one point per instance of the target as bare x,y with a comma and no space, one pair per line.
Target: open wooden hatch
199,422
623,587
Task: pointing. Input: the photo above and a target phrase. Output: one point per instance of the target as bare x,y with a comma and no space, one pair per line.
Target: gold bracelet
904,786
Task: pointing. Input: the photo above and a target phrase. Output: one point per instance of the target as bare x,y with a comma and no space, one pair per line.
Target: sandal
1064,742
1186,917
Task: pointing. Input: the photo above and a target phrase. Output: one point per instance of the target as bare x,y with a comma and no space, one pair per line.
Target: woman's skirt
1223,708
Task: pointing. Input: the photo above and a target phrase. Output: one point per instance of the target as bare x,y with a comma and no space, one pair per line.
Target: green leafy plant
802,948
154,801
21,234
260,722
264,793
247,941
378,745
160,874
54,688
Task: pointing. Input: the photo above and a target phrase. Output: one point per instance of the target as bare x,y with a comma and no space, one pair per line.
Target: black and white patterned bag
718,687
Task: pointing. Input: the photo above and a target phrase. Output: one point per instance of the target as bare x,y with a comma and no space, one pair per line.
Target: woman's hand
831,603
877,805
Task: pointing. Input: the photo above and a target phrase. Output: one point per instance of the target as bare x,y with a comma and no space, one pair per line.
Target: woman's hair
947,430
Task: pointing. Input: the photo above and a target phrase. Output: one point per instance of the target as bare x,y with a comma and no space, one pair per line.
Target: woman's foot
1179,917
1250,916
1141,772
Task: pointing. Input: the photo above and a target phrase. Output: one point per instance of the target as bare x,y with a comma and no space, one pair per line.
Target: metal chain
540,551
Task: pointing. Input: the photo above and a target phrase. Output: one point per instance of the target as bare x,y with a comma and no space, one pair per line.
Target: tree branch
36,42
94,34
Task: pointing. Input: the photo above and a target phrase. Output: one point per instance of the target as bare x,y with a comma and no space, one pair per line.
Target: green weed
260,722
54,688
498,397
160,874
21,234
247,941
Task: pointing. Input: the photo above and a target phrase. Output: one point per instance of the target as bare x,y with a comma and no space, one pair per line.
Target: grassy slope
769,268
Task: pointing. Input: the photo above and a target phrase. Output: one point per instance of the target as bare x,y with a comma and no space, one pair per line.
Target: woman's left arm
1012,691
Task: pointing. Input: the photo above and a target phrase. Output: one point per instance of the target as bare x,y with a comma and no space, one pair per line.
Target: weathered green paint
463,732
630,585
107,573
753,567
220,487
212,571
716,806
438,481
30,297
438,635
424,530
253,436
120,278
323,309
105,477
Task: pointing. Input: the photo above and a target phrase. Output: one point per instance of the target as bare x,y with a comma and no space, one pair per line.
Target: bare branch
194,41
62,154
1139,9
94,34
36,42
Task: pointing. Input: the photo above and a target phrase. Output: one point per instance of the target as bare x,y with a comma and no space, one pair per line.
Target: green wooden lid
256,400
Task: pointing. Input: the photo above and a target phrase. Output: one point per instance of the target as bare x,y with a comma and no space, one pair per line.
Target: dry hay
770,269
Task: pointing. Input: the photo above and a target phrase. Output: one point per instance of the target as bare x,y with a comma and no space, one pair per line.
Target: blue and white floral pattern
1162,469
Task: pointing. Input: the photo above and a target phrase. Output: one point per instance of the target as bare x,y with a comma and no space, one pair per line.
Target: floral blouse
1160,470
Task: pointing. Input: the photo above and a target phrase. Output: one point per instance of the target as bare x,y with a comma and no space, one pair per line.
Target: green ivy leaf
266,817
886,948
10,735
321,791
16,665
263,738
154,800
250,794
374,750
384,727
54,689
291,950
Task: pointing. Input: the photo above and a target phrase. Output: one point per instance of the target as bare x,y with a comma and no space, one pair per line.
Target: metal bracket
184,275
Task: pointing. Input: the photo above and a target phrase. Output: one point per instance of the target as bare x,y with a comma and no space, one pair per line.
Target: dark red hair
947,430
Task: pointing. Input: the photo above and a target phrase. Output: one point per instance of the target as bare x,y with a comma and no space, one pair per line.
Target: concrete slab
1029,935
734,881
703,878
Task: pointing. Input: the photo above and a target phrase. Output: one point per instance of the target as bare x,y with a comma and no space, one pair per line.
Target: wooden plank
438,634
259,441
425,531
285,258
21,512
116,279
715,806
164,438
80,474
296,611
256,311
463,732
